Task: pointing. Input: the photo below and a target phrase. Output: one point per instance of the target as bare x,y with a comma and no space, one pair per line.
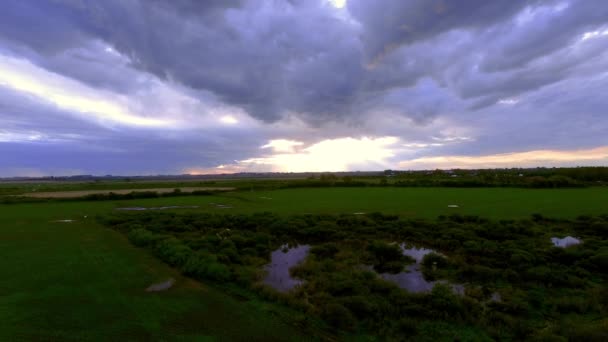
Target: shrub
444,302
362,307
338,316
600,260
173,251
326,250
434,259
386,257
203,266
142,237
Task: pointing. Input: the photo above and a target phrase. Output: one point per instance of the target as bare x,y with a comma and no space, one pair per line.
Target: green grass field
75,281
496,203
79,281
428,202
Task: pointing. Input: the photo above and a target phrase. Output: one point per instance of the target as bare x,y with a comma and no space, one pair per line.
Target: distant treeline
535,182
546,293
534,178
521,178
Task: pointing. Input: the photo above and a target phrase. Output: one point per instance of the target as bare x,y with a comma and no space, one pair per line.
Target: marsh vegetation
487,279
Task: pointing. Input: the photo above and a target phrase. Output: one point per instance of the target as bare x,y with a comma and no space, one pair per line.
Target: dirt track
76,194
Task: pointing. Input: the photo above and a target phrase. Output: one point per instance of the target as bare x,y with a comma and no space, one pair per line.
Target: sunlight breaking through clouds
594,34
508,101
229,120
283,145
332,155
338,3
70,95
340,154
6,136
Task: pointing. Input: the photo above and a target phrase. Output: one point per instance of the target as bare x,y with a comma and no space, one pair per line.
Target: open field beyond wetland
496,203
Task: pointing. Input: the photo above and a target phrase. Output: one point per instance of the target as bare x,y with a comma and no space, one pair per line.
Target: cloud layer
168,86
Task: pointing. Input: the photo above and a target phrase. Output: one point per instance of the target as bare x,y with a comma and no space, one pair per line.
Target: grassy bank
79,281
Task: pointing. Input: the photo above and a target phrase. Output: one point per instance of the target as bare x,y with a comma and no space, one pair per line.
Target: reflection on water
415,252
161,286
282,260
565,242
412,278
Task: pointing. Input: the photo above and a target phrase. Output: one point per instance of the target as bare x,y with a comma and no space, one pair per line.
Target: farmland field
61,276
498,203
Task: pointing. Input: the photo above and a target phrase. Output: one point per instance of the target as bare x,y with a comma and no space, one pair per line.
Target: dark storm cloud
273,57
582,60
43,25
542,31
265,59
391,23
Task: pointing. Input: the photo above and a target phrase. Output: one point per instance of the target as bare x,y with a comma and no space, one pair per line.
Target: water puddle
65,221
159,208
417,253
565,242
282,260
164,286
221,206
412,278
453,206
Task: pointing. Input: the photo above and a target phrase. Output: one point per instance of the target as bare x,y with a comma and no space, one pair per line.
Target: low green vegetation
541,288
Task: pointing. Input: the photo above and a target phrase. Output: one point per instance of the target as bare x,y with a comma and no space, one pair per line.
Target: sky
146,87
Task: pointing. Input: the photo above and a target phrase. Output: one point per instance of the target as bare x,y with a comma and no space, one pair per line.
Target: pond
411,278
565,242
282,260
164,286
417,253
